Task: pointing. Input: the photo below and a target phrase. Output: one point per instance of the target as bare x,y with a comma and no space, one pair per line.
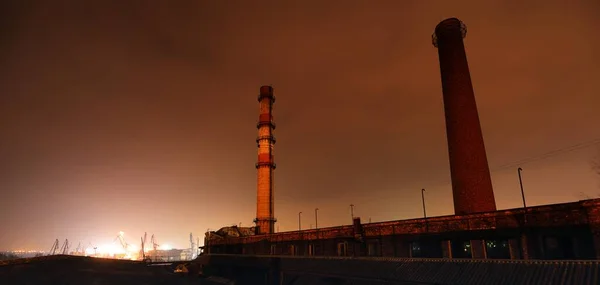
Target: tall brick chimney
265,216
471,182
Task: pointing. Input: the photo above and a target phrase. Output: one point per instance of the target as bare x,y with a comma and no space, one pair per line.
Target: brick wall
573,225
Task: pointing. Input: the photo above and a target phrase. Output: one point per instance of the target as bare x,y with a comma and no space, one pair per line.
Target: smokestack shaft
265,212
471,181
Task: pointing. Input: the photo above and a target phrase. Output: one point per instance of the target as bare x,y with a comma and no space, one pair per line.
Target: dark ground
74,270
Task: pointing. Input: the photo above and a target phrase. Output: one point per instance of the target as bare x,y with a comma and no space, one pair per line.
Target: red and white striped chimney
265,211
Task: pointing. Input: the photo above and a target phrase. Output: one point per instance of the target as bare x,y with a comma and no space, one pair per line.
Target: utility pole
300,221
352,211
316,218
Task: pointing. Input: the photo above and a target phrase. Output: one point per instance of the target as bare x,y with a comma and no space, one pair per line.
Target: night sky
140,116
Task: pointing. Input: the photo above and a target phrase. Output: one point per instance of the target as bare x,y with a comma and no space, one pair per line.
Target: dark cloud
140,115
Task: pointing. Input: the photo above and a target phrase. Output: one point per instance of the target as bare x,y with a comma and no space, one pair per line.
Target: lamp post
352,211
522,194
316,218
423,200
300,221
521,184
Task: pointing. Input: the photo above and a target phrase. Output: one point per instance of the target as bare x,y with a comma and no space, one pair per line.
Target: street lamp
521,184
300,221
423,200
522,194
316,218
352,211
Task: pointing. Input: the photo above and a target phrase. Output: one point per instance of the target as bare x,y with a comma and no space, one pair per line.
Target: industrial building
477,230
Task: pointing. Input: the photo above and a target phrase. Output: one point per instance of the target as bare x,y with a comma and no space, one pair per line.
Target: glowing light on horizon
116,250
110,249
89,251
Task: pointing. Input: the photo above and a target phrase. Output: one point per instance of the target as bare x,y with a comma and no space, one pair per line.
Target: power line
543,156
549,154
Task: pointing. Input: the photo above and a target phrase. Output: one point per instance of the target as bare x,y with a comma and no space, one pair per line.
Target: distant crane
122,241
53,248
78,249
65,247
154,244
154,247
143,239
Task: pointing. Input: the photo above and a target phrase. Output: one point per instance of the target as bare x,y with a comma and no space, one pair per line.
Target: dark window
497,249
342,249
415,249
373,249
558,247
426,249
461,249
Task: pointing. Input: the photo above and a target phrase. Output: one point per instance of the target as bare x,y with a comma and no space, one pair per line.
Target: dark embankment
67,270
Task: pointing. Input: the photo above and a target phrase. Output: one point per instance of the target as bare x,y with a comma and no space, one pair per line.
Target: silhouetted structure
560,231
265,212
477,230
471,182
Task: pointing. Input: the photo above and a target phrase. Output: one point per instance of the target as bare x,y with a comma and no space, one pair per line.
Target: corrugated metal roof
435,271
